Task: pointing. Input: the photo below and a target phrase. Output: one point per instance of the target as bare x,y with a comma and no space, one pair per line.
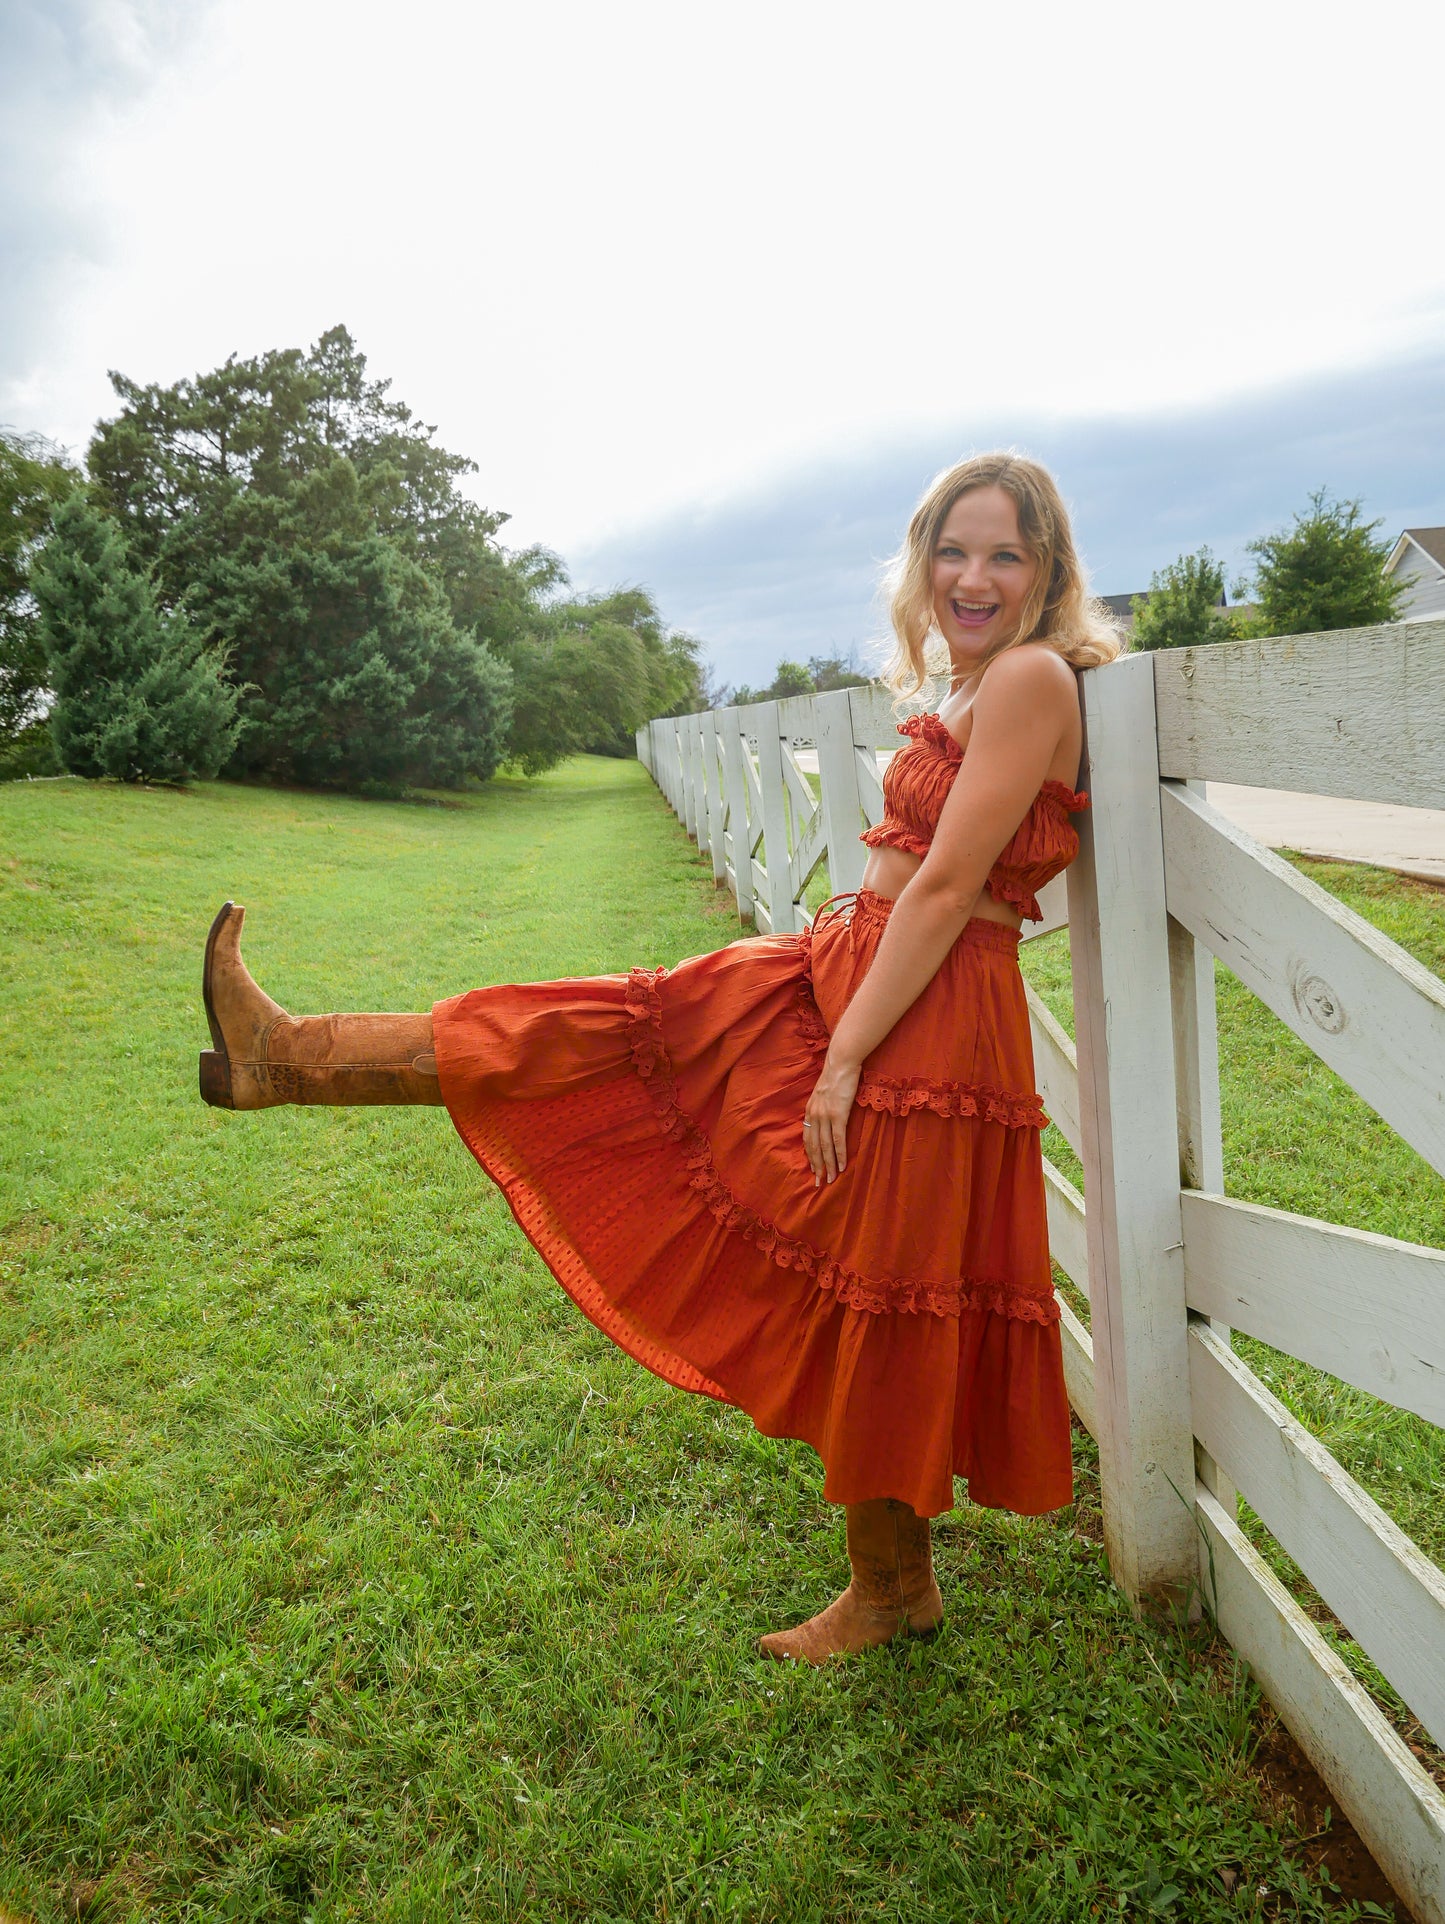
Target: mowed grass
1296,1137
347,1572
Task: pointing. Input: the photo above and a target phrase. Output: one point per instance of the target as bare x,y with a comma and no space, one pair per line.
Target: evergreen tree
311,526
34,478
357,673
1324,572
137,694
1183,608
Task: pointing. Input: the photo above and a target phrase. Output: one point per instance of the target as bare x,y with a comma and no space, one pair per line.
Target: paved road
1409,839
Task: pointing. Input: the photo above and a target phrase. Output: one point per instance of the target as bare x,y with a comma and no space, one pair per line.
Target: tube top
916,786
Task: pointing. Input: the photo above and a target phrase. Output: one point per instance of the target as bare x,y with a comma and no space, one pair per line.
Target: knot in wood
1314,997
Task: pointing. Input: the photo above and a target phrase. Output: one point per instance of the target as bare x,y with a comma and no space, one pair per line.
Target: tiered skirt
646,1131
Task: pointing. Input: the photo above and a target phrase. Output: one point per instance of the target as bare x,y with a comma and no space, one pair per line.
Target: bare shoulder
1033,679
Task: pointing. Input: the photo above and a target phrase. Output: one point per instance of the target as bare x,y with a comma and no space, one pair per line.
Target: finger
840,1143
830,1161
812,1152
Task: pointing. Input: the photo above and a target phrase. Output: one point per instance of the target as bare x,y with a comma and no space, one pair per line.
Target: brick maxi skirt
646,1131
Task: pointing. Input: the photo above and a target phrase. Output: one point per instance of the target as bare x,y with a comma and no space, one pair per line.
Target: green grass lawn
348,1572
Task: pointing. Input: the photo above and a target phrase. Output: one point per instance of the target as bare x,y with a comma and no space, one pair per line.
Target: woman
802,1174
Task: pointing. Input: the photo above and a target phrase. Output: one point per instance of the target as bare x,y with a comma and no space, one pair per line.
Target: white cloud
638,256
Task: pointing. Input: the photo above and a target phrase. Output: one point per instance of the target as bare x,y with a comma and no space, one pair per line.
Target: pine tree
1182,609
34,477
137,695
1324,572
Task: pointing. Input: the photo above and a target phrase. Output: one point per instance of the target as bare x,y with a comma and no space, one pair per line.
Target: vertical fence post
1131,1164
716,800
689,774
775,819
699,782
1196,1090
842,804
674,770
740,823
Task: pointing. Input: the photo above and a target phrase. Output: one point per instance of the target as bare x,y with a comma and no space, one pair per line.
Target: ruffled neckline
928,727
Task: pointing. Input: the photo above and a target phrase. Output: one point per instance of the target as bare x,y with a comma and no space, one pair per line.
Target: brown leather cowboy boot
264,1056
891,1554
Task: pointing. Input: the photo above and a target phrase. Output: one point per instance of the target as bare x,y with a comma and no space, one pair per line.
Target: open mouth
973,614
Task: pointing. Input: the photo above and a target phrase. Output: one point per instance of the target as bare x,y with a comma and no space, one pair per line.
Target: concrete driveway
1411,840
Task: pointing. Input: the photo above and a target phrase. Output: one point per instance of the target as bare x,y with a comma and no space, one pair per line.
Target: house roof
1121,606
1432,541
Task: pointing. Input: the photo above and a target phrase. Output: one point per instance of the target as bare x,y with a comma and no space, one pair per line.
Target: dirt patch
1324,1836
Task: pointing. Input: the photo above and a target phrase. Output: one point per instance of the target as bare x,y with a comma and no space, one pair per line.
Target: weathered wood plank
1078,1367
1131,1171
1358,712
1368,1309
741,840
870,784
1382,1587
1371,1011
1196,1099
800,789
842,804
1396,1807
716,802
1054,901
1056,1070
875,724
696,812
1068,1236
762,722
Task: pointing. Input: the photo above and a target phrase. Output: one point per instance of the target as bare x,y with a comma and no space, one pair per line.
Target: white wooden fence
1163,885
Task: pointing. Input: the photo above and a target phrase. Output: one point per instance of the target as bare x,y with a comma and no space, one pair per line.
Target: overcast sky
709,293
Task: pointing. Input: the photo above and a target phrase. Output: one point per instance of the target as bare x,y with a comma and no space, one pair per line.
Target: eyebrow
946,541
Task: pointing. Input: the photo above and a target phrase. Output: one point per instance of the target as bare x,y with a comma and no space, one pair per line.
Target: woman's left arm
1025,702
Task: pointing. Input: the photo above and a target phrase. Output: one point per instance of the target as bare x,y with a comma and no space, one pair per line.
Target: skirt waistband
864,909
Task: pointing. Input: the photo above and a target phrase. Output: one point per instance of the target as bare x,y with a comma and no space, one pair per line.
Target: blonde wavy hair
1058,610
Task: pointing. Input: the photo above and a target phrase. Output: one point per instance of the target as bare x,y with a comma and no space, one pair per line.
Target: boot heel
216,1080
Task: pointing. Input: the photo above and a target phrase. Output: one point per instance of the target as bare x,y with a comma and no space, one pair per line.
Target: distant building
1121,607
1418,558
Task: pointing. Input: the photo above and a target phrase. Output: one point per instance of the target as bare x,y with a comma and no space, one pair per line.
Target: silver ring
807,1125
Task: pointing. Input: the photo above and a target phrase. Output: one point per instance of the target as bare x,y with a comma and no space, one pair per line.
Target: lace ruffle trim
872,1294
902,1095
894,835
1018,895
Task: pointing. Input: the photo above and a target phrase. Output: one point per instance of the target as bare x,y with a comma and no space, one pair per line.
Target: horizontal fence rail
1164,886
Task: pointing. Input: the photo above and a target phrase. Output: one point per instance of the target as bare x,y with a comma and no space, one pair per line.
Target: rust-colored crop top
915,788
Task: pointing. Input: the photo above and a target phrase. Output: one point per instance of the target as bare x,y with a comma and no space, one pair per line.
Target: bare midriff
890,870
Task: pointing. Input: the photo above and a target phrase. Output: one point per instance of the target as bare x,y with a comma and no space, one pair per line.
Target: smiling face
982,573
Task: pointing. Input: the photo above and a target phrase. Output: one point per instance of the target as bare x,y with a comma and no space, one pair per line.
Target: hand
825,1120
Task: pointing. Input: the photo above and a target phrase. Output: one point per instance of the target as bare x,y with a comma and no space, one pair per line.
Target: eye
1007,554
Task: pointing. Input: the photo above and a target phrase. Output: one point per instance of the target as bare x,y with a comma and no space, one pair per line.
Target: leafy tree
311,526
1183,607
138,695
356,672
591,670
34,478
821,675
1324,572
835,671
